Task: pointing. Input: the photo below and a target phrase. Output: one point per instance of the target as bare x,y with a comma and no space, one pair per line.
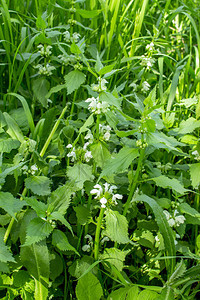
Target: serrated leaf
116,227
8,145
115,257
164,228
79,266
187,209
125,293
89,288
39,207
166,182
106,69
194,173
35,259
82,214
100,154
13,129
166,294
56,215
73,80
121,161
147,295
37,230
55,89
179,271
10,204
39,185
161,140
188,126
40,90
5,255
60,240
80,173
110,99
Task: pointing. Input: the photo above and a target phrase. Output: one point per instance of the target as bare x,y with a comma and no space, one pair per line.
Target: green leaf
20,278
194,173
115,257
39,185
5,255
81,266
13,129
56,265
125,293
187,209
87,124
56,215
161,140
164,228
37,230
60,240
55,89
80,173
106,70
179,271
188,126
8,145
116,227
121,162
89,288
167,294
39,207
35,259
88,13
166,182
82,214
10,204
73,80
100,154
110,99
40,90
147,295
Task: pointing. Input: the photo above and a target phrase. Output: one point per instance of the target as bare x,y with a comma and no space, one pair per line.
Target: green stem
97,127
135,182
97,234
52,132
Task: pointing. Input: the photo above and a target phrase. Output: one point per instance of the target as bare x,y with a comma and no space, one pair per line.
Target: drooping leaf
79,267
13,129
60,240
125,293
89,288
10,204
39,185
56,265
56,215
37,230
80,173
161,140
188,126
82,214
116,227
40,89
164,228
115,257
194,173
8,144
55,89
100,154
73,80
166,182
121,161
35,259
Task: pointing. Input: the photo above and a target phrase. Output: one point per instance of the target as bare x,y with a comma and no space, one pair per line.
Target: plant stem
97,234
135,182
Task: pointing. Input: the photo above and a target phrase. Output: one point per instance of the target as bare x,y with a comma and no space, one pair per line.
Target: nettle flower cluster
74,37
106,194
104,131
96,106
174,219
44,50
100,86
80,153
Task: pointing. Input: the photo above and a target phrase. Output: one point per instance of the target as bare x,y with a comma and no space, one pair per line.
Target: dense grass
99,141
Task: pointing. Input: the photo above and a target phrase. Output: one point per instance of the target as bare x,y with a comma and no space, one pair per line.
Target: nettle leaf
39,207
35,259
166,294
147,294
55,89
100,154
56,265
164,228
194,173
161,140
79,266
5,255
56,215
125,293
10,204
110,99
73,80
80,173
82,214
121,162
37,230
89,288
60,240
39,185
188,126
166,182
116,227
115,257
8,145
40,90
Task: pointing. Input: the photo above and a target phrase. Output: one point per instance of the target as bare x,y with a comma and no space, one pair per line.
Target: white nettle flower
104,239
88,156
72,154
101,86
145,86
86,248
89,136
103,201
45,70
69,146
150,46
85,146
96,106
174,220
105,131
66,36
98,190
75,37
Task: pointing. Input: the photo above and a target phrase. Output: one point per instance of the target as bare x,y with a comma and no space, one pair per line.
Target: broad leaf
110,99
39,207
56,215
89,288
5,255
125,293
60,240
121,161
116,227
73,80
166,182
188,126
39,185
35,259
115,257
82,214
80,173
194,173
37,230
100,154
8,145
10,204
13,129
147,295
40,89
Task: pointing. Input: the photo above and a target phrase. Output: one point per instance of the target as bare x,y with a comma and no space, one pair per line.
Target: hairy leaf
147,294
115,257
194,173
56,215
80,173
116,227
8,145
110,99
125,293
40,89
5,254
89,288
82,214
73,80
60,240
10,204
39,185
39,207
166,182
100,154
